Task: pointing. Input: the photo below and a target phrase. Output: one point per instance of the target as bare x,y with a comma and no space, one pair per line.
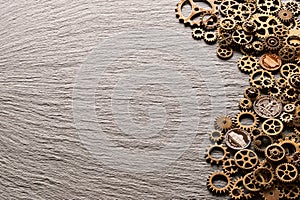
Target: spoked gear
274,91
195,12
250,183
223,123
225,6
240,37
272,127
224,52
246,159
286,172
258,46
213,159
291,191
287,53
227,24
263,176
286,117
218,175
239,183
275,153
245,104
292,6
248,64
265,25
246,115
225,39
268,6
229,166
260,78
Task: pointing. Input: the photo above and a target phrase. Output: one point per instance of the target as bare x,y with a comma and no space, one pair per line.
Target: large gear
218,175
246,159
260,78
266,25
263,176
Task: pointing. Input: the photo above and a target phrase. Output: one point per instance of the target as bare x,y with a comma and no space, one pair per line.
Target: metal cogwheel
258,46
240,37
246,115
246,159
275,91
272,127
227,24
292,6
196,10
271,193
225,6
216,136
281,82
245,104
219,175
229,166
210,21
291,191
275,153
281,30
223,123
239,183
285,15
286,117
239,12
250,184
224,52
248,64
198,33
290,93
287,53
261,141
260,78
252,93
286,172
210,37
213,159
294,81
290,147
266,24
263,176
268,6
272,43
225,39
236,193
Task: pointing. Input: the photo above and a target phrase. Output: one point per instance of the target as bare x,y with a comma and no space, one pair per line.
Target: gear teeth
246,114
219,175
216,147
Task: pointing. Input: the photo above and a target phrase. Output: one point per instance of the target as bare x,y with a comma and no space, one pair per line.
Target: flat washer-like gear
217,160
249,115
223,123
218,175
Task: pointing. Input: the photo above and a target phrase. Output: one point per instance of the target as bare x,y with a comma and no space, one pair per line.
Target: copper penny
270,62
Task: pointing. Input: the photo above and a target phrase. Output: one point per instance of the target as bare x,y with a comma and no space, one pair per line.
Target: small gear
229,166
227,24
281,30
239,183
270,193
290,147
246,159
213,159
225,40
291,191
261,142
285,15
246,115
286,117
248,64
223,123
290,93
245,104
275,153
281,82
268,6
218,175
252,93
236,193
272,43
293,136
287,53
240,37
263,176
272,127
274,91
250,183
270,61
249,27
198,33
224,52
256,131
286,172
266,24
296,159
210,21
258,46
226,6
294,81
216,136
239,12
210,37
292,6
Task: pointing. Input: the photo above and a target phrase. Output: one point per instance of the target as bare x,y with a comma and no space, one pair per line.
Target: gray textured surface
45,44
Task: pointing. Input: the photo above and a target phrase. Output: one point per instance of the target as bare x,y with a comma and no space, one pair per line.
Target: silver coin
267,107
237,139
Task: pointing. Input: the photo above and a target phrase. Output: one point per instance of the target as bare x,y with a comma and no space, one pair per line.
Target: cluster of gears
259,148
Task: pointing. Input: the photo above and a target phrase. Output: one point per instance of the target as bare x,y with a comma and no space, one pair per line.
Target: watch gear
272,43
263,176
224,52
287,53
216,136
266,25
272,127
275,153
286,172
210,37
229,166
268,6
246,115
245,104
246,159
236,193
285,15
240,37
260,78
261,142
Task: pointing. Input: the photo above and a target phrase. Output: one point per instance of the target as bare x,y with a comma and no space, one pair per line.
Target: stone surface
141,133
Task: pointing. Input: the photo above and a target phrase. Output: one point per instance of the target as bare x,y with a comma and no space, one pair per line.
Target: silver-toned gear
248,64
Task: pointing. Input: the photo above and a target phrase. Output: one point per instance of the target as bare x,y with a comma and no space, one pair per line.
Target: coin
270,62
267,107
237,139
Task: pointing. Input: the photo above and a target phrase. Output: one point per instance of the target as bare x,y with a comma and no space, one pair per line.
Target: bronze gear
261,142
198,33
265,24
218,175
210,37
289,69
227,24
286,117
272,193
293,136
250,184
287,53
285,15
286,172
252,93
209,20
291,191
272,43
224,52
249,27
294,81
263,176
217,160
275,153
290,93
249,115
245,104
240,37
225,6
272,127
216,136
248,64
225,40
239,183
268,6
290,147
236,193
223,123
229,166
259,77
275,91
258,46
246,159
292,6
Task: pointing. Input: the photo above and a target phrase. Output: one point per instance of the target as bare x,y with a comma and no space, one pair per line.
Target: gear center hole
247,120
220,182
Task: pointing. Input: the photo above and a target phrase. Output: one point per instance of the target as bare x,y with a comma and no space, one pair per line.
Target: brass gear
216,136
229,166
292,6
274,91
224,52
225,6
261,142
274,153
223,123
249,115
287,53
285,15
268,6
258,46
210,37
250,184
281,82
248,64
271,193
290,147
245,104
236,193
217,160
252,93
272,127
286,172
240,37
272,43
261,77
218,175
286,117
227,24
291,191
246,159
198,33
265,24
263,176
210,21
290,93
239,183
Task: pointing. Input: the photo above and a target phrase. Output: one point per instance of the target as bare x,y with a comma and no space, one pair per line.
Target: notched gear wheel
245,104
226,6
214,159
286,172
210,21
272,127
218,175
229,166
261,142
258,46
260,78
290,147
250,184
291,191
236,193
281,30
292,6
294,81
224,52
290,93
289,69
285,15
240,37
198,33
272,43
252,93
246,115
281,82
263,176
287,53
246,159
216,136
210,37
248,64
223,123
275,91
195,12
270,193
275,153
265,24
286,117
268,6
239,183
249,27
225,39
227,24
